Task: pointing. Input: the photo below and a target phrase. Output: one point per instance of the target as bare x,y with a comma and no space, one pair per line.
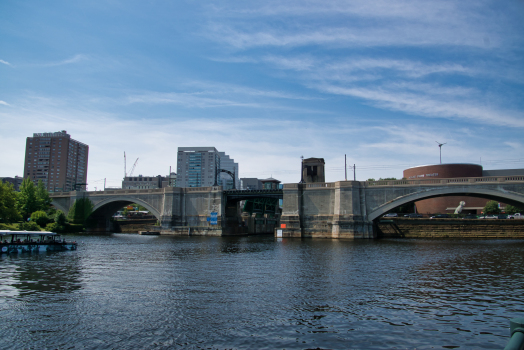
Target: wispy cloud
74,59
187,100
5,62
359,23
4,103
430,106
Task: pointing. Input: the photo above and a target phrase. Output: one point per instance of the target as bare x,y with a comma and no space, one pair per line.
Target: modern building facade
56,159
226,180
200,167
197,166
448,204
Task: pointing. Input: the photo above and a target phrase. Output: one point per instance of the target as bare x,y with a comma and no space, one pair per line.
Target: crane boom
133,168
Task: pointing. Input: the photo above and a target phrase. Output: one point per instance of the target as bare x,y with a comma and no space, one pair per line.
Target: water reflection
130,291
44,273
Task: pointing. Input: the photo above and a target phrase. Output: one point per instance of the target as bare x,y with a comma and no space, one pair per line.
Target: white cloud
4,103
5,62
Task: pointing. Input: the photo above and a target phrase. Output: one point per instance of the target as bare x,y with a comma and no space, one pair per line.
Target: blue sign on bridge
213,220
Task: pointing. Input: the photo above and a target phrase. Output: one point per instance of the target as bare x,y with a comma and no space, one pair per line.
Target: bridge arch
509,197
120,201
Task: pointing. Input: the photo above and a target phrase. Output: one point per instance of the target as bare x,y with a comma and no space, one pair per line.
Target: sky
372,83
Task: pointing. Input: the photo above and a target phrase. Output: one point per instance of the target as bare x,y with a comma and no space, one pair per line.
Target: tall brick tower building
56,159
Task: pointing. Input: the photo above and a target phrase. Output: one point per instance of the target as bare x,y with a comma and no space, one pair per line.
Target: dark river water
127,291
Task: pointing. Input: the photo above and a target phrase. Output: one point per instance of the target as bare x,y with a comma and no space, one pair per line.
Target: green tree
491,207
27,200
8,200
60,218
80,211
510,209
42,196
40,217
59,225
29,226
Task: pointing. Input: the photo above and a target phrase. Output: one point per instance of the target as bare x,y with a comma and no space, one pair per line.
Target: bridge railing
119,191
440,181
416,182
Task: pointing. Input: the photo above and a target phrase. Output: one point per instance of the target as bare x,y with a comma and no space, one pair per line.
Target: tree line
30,209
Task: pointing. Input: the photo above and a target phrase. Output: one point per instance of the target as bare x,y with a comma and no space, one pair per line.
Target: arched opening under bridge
101,219
512,198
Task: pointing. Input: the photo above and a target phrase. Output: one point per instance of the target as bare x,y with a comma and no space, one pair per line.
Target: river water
126,291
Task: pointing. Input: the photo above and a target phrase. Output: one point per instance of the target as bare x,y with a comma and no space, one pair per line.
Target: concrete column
349,219
292,210
172,207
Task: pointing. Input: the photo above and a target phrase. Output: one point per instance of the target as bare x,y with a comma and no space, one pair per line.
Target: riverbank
449,228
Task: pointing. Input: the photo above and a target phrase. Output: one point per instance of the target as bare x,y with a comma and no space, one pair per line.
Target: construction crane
125,166
133,168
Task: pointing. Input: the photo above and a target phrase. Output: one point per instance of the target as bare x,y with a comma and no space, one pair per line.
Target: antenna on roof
440,147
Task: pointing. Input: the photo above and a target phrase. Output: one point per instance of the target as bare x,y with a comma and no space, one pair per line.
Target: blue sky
266,82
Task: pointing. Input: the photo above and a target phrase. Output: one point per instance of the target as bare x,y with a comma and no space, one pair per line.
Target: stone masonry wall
450,228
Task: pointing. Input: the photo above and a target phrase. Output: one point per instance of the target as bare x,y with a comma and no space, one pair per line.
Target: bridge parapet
440,182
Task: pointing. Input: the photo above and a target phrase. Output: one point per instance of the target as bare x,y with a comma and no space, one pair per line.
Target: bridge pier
325,210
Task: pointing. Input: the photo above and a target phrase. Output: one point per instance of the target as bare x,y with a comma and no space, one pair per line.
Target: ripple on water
130,291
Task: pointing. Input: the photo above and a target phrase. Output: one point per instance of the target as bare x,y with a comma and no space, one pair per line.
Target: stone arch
126,199
505,196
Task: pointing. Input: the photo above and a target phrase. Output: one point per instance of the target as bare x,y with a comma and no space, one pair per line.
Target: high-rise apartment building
56,159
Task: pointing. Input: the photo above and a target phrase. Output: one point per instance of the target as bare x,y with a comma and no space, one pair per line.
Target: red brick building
442,205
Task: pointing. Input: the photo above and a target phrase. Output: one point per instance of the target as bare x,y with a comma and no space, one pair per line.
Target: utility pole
354,172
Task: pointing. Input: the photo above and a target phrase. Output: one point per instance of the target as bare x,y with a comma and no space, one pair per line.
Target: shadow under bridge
252,211
101,217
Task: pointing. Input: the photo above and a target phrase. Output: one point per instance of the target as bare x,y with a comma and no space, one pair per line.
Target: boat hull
19,248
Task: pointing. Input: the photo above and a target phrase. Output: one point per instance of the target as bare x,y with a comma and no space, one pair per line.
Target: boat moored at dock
15,242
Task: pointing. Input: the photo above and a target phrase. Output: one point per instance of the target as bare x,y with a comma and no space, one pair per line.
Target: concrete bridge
343,209
178,210
348,209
